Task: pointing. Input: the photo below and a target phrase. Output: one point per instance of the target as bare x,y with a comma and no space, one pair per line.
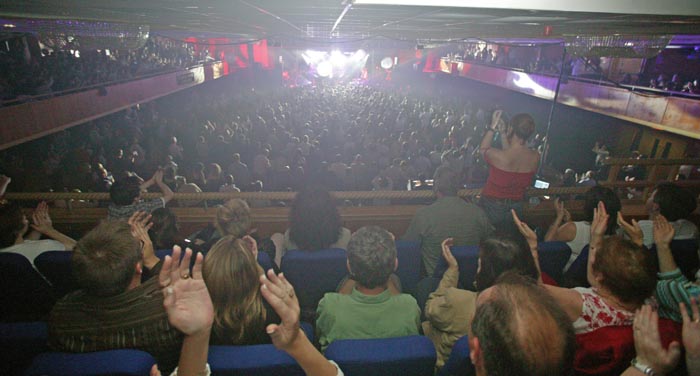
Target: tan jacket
449,311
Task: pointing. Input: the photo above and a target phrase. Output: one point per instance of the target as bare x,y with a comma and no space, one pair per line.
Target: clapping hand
663,231
631,229
527,232
447,254
647,343
281,296
563,215
251,245
41,221
691,334
186,298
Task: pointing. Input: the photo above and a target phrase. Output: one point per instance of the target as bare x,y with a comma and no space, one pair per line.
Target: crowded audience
316,140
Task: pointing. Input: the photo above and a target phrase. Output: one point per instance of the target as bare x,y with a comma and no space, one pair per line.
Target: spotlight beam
340,18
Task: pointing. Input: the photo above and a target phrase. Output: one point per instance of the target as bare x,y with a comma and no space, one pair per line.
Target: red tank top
505,184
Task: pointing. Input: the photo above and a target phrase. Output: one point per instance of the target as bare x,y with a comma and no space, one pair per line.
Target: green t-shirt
360,316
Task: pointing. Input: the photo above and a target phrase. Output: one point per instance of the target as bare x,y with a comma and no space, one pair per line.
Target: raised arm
140,223
167,192
189,308
598,227
531,239
633,231
287,335
562,229
691,337
663,234
488,136
41,222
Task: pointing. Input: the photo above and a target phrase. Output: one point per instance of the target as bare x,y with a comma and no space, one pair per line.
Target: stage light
337,58
387,63
324,69
359,55
311,56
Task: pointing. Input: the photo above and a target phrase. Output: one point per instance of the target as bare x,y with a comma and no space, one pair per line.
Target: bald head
518,329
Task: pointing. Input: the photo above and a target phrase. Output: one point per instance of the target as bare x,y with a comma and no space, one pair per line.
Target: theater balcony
42,115
677,112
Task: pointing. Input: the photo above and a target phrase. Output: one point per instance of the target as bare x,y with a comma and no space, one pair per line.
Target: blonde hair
231,275
233,218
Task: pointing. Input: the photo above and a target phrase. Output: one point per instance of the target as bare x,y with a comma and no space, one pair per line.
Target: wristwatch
643,368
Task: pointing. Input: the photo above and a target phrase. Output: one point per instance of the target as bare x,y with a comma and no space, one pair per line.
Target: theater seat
255,360
467,258
609,350
25,295
400,356
459,363
409,271
314,273
553,256
576,276
113,362
57,267
19,343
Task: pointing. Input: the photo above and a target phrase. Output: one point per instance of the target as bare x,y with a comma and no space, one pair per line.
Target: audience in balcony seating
511,168
370,310
577,234
232,275
448,217
16,237
675,204
113,309
450,310
314,224
126,196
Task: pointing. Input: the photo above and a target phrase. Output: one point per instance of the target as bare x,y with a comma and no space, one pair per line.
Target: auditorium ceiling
316,19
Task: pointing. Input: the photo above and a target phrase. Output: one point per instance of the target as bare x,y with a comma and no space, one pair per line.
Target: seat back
609,350
577,276
25,295
251,361
459,362
553,256
57,267
400,356
409,255
467,258
112,362
19,343
314,273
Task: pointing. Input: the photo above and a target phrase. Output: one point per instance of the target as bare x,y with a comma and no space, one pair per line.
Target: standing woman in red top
511,168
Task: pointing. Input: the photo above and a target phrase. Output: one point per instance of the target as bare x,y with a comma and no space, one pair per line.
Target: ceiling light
9,25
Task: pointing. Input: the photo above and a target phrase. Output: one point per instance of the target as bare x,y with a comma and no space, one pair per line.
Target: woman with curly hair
232,276
232,218
314,224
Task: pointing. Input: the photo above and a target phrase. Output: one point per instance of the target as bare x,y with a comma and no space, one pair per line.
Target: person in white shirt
676,204
16,237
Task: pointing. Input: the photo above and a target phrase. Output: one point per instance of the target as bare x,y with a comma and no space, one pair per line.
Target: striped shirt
673,287
134,319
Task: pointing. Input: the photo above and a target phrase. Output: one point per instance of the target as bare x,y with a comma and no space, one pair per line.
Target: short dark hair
372,256
11,222
523,125
612,205
503,252
104,259
124,191
628,270
523,331
164,231
446,181
674,202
